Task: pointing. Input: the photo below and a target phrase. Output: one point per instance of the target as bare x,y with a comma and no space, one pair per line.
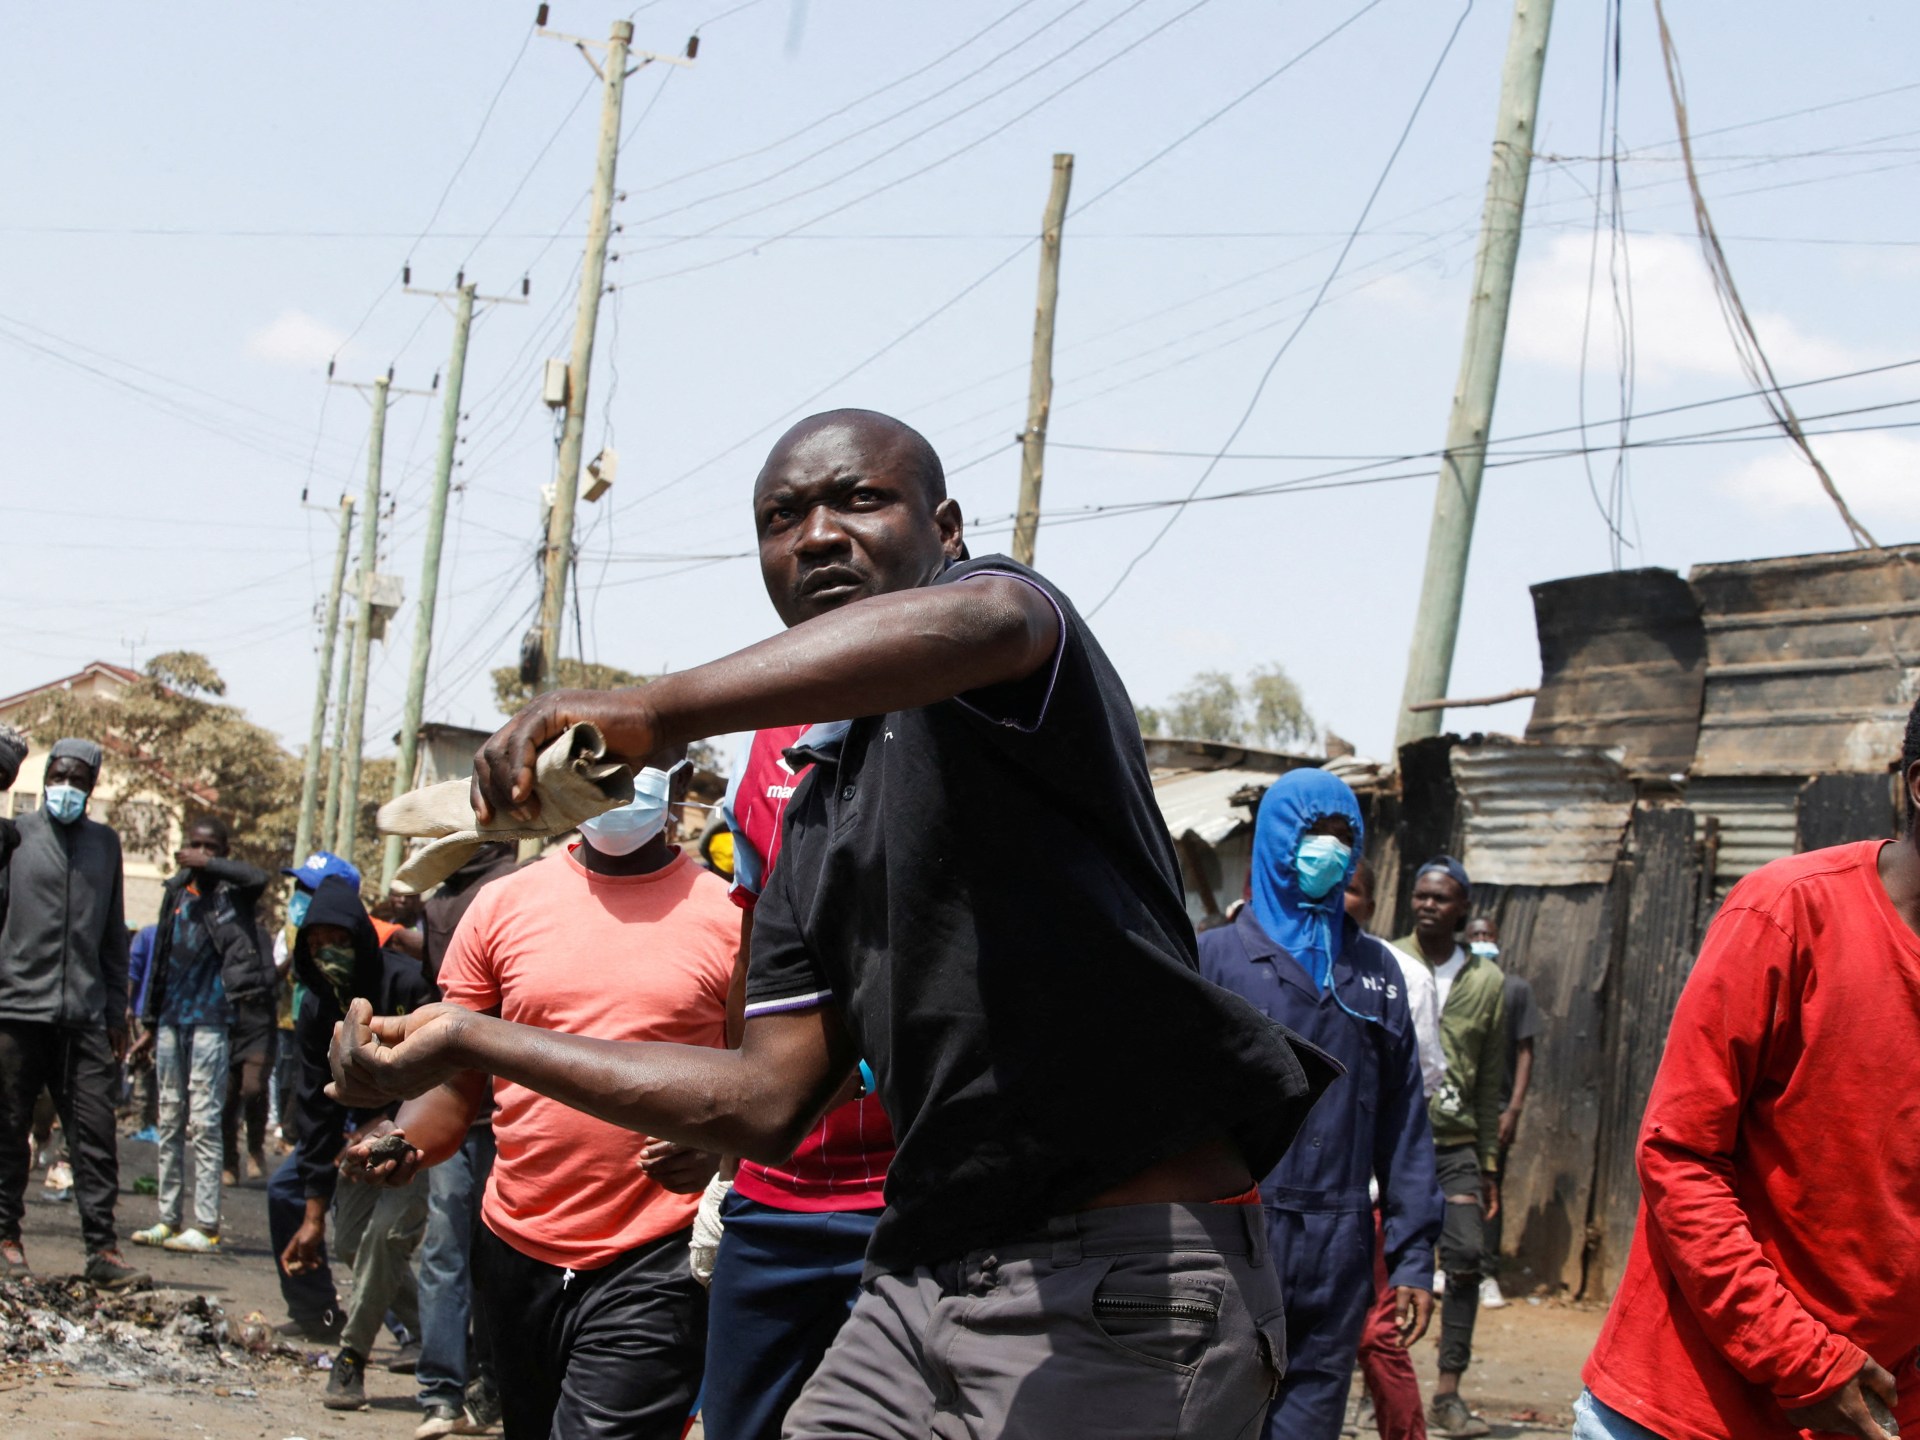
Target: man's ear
953,528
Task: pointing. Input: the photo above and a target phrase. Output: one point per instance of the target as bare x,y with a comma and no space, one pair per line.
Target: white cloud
1677,325
1877,473
295,338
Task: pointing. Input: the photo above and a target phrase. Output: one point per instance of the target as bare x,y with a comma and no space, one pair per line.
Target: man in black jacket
210,962
337,959
63,1004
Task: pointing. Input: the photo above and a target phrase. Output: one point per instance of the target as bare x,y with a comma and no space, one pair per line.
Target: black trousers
610,1354
252,1044
1462,1251
78,1067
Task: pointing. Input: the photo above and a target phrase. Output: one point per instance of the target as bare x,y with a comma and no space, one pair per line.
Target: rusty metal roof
1208,803
1541,814
1813,662
1623,661
1755,818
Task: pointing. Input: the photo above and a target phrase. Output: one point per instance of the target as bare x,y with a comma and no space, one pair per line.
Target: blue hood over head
1292,805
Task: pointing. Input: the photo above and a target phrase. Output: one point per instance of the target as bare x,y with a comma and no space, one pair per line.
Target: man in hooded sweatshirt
63,1004
338,959
1295,953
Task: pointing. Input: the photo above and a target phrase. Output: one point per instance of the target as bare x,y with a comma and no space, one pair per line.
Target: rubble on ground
52,1325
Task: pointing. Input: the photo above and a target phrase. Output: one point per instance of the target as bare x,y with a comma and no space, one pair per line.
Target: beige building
145,872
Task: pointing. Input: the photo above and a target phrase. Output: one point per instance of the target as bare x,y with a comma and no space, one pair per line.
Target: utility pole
464,297
566,482
330,821
354,740
1437,622
1033,440
317,732
362,628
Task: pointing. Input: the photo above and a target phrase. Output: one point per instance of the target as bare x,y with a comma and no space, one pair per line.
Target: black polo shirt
985,888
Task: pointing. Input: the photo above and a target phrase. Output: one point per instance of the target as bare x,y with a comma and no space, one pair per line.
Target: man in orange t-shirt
598,1326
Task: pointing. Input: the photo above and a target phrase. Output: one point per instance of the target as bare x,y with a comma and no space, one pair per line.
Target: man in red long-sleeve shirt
1774,1282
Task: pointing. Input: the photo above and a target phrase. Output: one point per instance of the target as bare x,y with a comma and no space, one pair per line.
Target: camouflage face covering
336,963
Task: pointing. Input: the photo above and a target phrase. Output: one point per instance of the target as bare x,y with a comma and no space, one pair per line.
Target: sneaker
257,1161
13,1259
1439,1283
321,1329
1490,1296
443,1418
107,1271
195,1241
406,1360
59,1181
483,1404
146,1135
1449,1415
156,1234
346,1385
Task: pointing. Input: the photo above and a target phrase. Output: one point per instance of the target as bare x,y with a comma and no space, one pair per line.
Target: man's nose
820,533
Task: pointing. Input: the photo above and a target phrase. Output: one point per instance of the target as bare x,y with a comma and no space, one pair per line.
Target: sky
837,205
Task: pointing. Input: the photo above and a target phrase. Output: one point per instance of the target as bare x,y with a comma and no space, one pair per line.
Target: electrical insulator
693,47
526,285
329,369
406,274
436,379
389,374
459,279
540,17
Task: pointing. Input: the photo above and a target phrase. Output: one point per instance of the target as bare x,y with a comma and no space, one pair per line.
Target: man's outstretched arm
889,652
758,1101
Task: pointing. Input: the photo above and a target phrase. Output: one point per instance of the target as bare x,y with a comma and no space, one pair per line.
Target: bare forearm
437,1122
891,652
1522,1076
727,1101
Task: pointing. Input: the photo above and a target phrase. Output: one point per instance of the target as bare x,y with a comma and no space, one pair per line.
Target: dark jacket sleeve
1411,1205
114,946
322,1118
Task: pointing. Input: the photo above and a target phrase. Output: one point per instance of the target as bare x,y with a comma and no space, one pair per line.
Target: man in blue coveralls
1294,953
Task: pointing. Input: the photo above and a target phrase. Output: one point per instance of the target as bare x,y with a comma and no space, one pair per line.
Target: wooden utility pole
464,297
1436,623
1033,440
566,482
336,762
317,731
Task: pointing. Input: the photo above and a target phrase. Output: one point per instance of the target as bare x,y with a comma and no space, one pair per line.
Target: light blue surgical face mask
1320,864
66,803
623,831
1485,949
297,907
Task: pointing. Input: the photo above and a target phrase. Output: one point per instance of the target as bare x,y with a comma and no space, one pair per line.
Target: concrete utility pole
566,483
362,628
464,297
317,732
1033,440
330,821
1437,621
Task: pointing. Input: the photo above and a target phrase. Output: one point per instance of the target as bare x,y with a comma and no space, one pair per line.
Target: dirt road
1525,1376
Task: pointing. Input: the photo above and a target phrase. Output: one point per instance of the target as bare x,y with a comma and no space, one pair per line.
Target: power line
1353,235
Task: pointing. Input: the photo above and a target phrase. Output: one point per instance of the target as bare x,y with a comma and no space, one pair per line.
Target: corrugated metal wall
1541,814
1756,820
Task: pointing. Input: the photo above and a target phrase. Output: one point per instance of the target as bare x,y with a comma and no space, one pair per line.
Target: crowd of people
907,1120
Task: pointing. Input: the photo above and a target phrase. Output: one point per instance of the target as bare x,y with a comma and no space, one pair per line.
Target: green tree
1266,710
180,752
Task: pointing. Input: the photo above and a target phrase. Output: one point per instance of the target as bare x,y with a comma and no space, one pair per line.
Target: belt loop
1065,1230
1256,1221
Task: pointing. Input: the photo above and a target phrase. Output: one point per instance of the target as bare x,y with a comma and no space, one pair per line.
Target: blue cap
1453,870
322,865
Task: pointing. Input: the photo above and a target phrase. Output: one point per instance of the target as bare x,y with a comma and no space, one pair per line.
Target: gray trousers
1155,1321
1462,1251
376,1230
191,1061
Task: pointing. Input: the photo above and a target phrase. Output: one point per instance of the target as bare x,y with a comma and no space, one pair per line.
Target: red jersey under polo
1779,1235
617,957
842,1164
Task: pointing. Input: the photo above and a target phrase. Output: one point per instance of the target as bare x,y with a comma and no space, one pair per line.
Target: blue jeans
310,1296
454,1188
1594,1421
783,1285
